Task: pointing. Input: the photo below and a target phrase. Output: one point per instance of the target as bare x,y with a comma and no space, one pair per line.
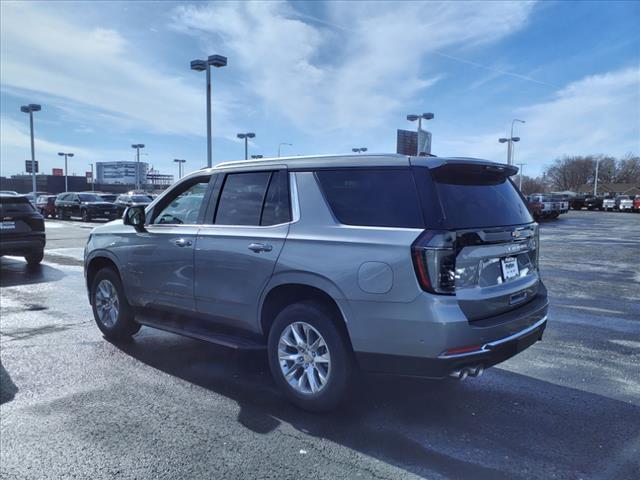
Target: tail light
434,259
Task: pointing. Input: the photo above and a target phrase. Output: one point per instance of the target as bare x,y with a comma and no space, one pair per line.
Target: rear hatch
481,243
18,217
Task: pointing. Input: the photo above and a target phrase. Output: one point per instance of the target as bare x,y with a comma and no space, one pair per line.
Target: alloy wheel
107,303
304,358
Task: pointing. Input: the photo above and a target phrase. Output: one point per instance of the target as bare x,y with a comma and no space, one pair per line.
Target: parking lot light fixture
32,107
359,150
280,146
257,157
246,137
180,162
201,66
137,146
412,117
65,155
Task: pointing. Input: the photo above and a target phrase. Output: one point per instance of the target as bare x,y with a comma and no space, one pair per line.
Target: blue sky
324,76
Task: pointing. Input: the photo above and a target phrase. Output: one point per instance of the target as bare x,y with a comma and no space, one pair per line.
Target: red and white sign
89,175
57,172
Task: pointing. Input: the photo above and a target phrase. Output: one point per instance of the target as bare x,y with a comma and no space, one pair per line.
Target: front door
237,250
160,260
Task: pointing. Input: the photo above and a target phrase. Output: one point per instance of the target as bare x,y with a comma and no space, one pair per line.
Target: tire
85,216
115,325
338,372
34,258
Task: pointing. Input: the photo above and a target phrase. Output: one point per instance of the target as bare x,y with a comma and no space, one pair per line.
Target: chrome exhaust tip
463,373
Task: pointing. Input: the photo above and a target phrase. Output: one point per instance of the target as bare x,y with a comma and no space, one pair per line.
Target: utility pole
595,184
93,179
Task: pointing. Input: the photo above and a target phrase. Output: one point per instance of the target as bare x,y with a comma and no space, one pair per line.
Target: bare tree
568,173
628,169
532,185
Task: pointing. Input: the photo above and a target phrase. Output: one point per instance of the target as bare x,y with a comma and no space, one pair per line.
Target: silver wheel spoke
304,358
107,303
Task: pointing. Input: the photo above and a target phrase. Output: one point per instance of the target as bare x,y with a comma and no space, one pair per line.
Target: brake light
433,255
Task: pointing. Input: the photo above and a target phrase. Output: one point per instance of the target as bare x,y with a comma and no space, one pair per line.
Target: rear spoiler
465,164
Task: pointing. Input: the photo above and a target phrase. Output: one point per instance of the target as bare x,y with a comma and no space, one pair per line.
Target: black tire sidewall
341,357
34,258
125,325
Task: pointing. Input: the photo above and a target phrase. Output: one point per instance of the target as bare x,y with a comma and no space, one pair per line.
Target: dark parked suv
84,205
409,265
130,200
21,229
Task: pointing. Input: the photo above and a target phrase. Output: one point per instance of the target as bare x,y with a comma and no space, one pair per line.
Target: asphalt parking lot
76,406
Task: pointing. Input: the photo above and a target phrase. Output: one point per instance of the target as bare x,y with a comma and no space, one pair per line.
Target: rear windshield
140,198
372,197
89,197
471,196
11,204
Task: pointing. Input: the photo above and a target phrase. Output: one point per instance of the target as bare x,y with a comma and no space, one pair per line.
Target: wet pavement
76,406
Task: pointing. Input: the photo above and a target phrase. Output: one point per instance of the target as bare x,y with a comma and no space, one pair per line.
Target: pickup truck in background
562,202
624,203
593,203
608,204
542,206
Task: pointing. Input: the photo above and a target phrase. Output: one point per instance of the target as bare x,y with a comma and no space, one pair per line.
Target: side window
380,198
184,207
241,198
276,204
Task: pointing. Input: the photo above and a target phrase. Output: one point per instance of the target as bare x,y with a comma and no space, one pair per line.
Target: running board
187,328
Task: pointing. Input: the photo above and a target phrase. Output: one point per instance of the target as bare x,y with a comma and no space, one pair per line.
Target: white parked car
609,204
624,203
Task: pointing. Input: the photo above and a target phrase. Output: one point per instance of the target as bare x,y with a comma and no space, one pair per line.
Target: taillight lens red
433,255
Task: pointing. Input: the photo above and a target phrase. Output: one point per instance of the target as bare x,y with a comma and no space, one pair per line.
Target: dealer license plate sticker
8,226
510,268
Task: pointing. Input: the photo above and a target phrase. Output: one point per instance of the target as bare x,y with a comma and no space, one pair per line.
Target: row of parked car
88,205
622,203
545,206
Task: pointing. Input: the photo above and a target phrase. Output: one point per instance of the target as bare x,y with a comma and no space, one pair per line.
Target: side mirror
135,217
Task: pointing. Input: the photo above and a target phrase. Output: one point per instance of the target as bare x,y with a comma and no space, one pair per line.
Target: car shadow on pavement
8,389
422,426
17,272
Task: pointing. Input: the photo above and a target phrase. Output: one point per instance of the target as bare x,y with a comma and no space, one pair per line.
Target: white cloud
358,68
95,68
596,114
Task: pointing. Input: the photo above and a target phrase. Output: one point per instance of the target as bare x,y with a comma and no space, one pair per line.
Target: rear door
496,240
18,217
237,250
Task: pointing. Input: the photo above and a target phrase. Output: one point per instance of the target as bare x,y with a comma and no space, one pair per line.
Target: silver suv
416,266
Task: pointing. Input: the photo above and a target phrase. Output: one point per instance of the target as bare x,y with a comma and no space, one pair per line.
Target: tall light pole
359,150
509,142
137,146
205,65
595,184
65,155
93,179
246,137
179,161
281,144
520,175
426,116
32,107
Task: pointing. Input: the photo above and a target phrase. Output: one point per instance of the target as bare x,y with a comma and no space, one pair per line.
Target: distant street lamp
246,137
93,179
281,144
179,161
205,65
509,142
137,146
257,157
359,150
65,155
32,107
426,116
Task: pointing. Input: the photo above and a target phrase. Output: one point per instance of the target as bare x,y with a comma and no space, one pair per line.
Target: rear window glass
381,198
472,197
14,204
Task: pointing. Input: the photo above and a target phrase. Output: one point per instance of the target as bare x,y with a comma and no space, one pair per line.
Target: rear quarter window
372,197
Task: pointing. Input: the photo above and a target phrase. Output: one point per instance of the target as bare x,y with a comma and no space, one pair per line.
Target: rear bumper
22,245
488,355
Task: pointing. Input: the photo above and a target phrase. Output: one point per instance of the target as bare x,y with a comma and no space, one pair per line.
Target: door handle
183,242
260,247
